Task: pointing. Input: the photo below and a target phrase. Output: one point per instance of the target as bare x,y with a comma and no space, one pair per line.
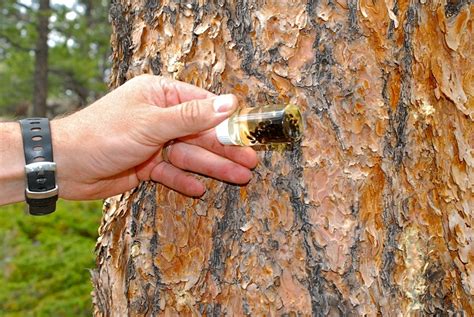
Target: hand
112,145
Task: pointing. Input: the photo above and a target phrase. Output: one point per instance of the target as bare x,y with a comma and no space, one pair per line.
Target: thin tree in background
40,84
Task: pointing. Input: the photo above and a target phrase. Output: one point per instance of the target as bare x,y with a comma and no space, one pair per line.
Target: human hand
112,145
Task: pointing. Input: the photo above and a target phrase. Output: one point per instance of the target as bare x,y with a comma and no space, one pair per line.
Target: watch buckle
42,195
40,168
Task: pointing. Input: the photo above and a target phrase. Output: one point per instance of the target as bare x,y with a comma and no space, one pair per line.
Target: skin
118,141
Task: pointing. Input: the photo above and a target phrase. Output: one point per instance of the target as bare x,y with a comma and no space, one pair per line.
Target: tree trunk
372,214
40,85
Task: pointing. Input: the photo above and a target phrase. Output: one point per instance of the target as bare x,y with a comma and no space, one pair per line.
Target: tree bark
372,214
40,85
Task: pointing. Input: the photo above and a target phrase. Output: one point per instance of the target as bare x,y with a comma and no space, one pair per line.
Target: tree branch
24,6
71,82
15,44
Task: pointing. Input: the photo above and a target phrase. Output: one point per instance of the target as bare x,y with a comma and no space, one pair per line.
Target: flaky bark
370,214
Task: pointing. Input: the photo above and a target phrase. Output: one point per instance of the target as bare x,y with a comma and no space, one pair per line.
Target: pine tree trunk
372,214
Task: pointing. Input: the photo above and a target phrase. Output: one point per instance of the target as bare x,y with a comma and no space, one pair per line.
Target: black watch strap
41,190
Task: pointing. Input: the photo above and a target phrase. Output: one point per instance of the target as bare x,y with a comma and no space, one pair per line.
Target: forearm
112,145
12,164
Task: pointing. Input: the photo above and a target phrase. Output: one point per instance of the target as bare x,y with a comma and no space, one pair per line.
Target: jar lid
222,133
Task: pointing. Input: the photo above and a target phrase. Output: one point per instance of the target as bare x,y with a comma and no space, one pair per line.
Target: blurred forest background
54,59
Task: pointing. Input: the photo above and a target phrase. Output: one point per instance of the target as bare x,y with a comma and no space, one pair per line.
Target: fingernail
224,103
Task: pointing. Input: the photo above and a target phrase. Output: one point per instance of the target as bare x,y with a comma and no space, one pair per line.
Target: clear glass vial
262,125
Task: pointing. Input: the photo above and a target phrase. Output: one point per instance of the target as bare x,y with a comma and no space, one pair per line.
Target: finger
192,117
143,171
177,92
177,179
245,156
165,92
199,160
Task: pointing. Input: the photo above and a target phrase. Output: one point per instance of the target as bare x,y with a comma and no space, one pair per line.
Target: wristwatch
41,192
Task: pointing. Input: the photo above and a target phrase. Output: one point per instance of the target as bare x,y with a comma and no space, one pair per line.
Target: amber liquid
266,125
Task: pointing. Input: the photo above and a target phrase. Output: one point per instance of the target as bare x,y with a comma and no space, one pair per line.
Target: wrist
58,148
67,156
12,164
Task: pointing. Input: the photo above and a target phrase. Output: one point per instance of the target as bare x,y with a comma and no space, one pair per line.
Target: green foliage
78,54
45,261
17,38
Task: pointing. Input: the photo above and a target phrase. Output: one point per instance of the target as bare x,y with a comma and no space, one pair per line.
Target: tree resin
262,125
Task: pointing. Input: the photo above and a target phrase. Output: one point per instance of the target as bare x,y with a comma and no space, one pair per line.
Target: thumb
194,116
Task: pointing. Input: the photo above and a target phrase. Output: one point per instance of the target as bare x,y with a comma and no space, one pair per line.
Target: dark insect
275,130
